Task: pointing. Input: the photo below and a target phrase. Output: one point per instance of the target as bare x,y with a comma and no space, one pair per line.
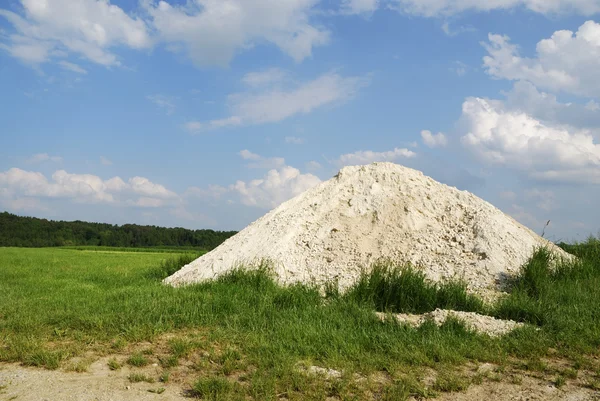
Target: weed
447,382
180,347
138,377
569,373
169,361
159,390
516,379
592,384
535,365
113,364
118,344
79,366
164,376
213,388
559,381
138,360
44,358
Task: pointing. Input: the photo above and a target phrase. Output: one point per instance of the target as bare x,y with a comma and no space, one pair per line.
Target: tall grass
170,266
389,287
561,297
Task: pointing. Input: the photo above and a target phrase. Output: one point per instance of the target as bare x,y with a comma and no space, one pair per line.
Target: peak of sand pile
382,210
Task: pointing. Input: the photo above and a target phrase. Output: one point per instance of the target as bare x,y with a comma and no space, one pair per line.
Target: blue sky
208,113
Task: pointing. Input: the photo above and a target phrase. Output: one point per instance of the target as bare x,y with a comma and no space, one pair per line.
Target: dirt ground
99,383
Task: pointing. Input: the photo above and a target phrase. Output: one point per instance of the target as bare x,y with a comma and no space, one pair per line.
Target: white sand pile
384,210
473,321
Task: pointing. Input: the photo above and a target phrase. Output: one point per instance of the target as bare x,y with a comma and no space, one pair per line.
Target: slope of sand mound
382,210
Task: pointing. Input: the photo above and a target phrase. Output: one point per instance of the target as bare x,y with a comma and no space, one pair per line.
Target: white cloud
264,78
44,30
436,8
193,126
43,157
592,105
433,141
359,6
275,104
72,67
143,186
116,184
247,155
294,140
211,32
16,184
27,50
514,139
525,97
20,183
275,188
262,162
453,31
367,156
166,103
105,161
566,61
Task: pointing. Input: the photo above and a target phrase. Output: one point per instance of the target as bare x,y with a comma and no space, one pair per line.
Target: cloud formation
277,186
567,61
359,6
17,184
272,105
441,8
516,140
90,28
211,32
433,141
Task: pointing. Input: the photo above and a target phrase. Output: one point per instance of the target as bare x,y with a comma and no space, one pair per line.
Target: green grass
138,360
58,303
213,388
154,249
138,377
391,288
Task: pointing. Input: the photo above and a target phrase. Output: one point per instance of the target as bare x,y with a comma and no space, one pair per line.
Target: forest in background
34,232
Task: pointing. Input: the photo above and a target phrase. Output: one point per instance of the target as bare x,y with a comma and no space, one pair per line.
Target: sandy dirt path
99,383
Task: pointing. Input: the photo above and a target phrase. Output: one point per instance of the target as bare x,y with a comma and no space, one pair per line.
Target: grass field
244,336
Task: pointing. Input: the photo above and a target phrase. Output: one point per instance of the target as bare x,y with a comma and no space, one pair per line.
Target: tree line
34,232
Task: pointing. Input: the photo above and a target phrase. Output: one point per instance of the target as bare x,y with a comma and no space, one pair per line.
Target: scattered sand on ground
474,321
99,383
382,210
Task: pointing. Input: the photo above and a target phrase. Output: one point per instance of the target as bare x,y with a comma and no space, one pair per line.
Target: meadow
243,336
